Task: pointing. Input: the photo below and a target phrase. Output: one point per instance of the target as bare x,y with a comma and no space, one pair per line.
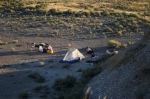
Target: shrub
64,83
105,57
124,45
42,63
37,77
105,13
12,49
83,37
38,88
91,72
3,43
147,25
66,66
41,6
111,43
41,89
52,11
23,95
79,70
15,41
135,15
119,33
69,12
108,29
76,93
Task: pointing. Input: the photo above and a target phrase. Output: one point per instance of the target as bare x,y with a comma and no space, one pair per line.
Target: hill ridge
129,80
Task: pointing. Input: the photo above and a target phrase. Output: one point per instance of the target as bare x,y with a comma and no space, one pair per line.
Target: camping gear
41,49
50,51
72,56
114,52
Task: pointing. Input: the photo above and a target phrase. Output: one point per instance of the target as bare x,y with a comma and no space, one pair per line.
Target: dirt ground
16,66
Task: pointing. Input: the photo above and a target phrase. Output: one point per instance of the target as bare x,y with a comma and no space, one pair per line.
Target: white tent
73,55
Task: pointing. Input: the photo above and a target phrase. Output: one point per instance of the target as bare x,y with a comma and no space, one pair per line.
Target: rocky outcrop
130,79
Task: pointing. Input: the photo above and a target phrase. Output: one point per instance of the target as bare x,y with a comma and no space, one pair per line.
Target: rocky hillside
124,76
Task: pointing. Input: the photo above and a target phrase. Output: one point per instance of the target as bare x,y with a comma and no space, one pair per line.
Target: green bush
119,33
91,72
79,70
76,93
3,43
41,63
38,88
15,41
147,25
105,57
37,77
125,45
66,66
108,29
41,6
13,49
105,13
52,11
64,83
23,95
111,43
135,15
69,12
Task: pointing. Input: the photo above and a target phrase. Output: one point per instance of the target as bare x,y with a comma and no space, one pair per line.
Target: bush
52,11
79,70
23,95
15,41
37,77
111,43
108,29
105,13
124,45
38,88
41,89
66,66
105,57
13,49
76,93
64,83
91,72
119,33
42,63
68,12
135,15
3,43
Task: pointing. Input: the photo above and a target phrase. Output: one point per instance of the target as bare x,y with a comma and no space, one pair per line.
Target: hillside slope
125,76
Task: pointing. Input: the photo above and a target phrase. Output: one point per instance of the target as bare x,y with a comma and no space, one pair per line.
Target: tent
72,56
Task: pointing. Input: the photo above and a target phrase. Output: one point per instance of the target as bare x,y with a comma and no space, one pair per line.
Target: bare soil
17,65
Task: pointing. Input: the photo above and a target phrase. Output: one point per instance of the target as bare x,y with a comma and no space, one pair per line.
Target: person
94,56
44,49
89,50
49,47
114,47
41,49
42,44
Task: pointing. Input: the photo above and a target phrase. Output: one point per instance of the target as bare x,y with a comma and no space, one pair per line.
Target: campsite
69,27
